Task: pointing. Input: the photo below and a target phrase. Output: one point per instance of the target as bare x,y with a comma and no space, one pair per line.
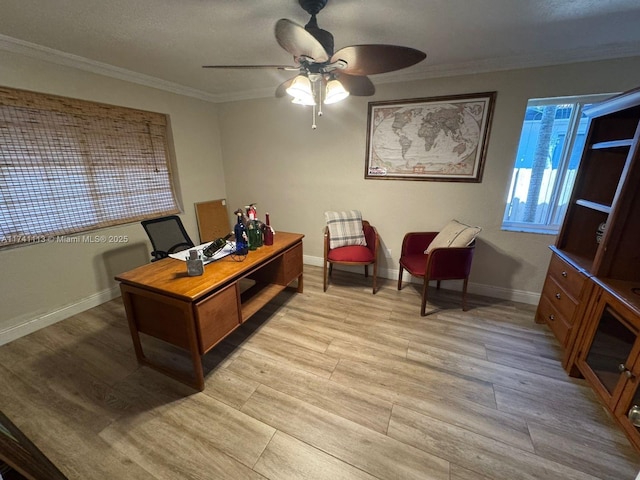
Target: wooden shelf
257,297
612,144
605,191
594,206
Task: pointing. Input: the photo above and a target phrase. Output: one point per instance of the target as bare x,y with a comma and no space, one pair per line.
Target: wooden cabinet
593,282
609,357
561,297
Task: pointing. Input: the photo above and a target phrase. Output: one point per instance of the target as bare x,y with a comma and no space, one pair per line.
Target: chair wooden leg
464,294
375,278
324,276
425,288
400,278
366,271
438,285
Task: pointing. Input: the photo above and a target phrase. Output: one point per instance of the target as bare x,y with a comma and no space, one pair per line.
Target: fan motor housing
312,6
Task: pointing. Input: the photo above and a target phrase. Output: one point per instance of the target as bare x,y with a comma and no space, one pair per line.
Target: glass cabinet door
610,352
628,411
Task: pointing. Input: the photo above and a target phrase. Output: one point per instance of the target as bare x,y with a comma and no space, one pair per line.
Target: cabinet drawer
556,296
556,321
566,276
216,317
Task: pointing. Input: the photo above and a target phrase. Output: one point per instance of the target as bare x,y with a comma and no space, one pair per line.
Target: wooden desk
196,313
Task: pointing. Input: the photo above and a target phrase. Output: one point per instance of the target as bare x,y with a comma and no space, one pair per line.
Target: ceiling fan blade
281,91
359,86
372,59
298,42
254,67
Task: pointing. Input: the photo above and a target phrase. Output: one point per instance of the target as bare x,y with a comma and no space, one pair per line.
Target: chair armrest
454,262
417,242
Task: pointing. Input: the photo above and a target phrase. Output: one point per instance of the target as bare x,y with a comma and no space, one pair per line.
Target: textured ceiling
169,40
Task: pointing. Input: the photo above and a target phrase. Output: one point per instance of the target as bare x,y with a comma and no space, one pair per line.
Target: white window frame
559,192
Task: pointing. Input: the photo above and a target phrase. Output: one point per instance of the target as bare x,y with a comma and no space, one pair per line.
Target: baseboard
521,296
27,326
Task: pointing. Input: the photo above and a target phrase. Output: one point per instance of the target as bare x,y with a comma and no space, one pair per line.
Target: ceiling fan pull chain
313,121
319,88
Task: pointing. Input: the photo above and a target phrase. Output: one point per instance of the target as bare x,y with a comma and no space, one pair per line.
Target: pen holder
195,265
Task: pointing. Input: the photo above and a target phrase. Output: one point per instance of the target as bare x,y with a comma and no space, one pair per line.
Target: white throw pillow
454,234
345,228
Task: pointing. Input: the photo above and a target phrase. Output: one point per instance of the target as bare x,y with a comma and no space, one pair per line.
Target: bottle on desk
254,231
242,241
267,231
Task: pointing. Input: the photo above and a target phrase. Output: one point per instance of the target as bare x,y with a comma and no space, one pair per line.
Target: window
68,166
551,143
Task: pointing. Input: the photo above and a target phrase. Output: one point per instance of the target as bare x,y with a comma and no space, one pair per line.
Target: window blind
69,166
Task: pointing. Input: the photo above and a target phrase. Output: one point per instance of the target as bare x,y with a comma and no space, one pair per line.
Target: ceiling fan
325,76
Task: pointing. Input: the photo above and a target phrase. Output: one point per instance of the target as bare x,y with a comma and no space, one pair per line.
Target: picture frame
434,139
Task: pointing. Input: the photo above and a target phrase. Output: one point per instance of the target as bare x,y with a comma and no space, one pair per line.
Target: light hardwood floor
335,385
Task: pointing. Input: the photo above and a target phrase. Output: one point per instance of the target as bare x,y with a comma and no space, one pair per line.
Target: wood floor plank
588,423
390,378
496,460
160,446
367,410
374,453
272,346
580,455
287,458
498,374
342,384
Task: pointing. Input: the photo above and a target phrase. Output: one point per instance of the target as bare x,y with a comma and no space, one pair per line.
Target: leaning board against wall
213,219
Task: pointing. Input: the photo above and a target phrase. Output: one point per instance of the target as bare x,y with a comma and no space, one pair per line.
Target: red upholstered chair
353,254
448,263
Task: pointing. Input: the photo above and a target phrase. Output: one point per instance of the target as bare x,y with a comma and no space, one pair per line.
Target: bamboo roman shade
68,166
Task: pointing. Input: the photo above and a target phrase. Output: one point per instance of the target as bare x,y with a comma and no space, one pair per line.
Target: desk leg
197,381
300,284
135,336
196,358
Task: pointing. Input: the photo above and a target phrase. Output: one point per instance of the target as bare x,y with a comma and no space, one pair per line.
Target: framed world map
437,138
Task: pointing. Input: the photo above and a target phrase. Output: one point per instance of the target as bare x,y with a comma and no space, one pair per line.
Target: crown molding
515,62
39,52
606,52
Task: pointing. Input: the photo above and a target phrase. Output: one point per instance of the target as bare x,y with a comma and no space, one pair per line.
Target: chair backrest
167,235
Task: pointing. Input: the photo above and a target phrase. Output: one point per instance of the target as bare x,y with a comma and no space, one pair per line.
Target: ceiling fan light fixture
303,101
335,92
301,91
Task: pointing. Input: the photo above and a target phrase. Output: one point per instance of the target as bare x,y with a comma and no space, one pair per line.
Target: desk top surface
169,276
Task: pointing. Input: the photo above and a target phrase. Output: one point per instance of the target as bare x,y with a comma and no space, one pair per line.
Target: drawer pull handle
558,296
552,317
564,274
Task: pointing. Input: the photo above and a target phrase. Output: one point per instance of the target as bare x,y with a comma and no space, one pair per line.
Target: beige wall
40,284
264,151
272,157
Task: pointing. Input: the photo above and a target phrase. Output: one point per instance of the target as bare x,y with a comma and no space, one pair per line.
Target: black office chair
167,235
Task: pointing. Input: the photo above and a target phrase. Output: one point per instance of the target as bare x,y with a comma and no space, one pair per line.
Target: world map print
435,138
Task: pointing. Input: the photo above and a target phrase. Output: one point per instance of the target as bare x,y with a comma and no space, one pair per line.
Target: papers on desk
228,249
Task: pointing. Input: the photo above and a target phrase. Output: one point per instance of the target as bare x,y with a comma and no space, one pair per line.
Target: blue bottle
242,241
